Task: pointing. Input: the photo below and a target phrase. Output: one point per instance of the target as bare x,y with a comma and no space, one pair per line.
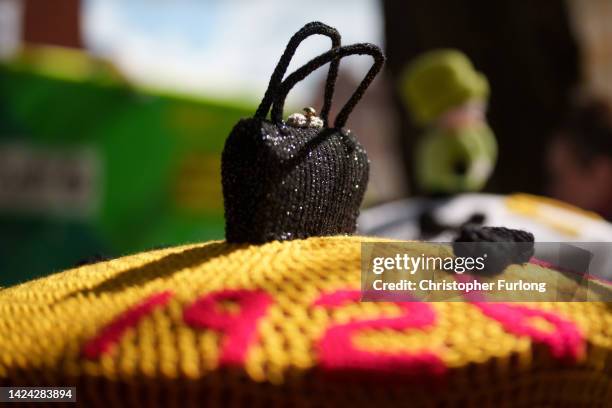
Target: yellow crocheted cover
280,324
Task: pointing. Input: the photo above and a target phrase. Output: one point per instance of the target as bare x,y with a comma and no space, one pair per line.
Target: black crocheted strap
331,56
502,246
473,233
281,68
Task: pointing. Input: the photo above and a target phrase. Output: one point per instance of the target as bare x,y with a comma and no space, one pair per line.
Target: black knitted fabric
502,246
282,182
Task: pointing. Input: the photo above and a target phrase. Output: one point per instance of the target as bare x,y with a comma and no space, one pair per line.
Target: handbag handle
334,55
281,68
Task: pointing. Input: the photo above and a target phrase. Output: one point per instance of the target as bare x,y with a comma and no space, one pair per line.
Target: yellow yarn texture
164,356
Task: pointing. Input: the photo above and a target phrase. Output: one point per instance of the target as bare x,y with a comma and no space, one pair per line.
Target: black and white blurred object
547,220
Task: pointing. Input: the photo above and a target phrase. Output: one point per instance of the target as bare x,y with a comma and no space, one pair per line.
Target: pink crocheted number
565,340
110,335
337,352
239,327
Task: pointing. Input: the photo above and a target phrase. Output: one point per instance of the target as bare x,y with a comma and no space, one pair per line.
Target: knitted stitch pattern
280,324
307,183
283,182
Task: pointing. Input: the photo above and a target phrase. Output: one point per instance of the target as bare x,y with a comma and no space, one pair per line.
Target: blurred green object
447,97
453,161
439,80
91,166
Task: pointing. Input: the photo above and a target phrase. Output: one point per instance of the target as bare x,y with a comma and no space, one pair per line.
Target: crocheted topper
302,177
281,324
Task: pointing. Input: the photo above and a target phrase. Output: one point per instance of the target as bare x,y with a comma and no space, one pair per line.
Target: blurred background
113,114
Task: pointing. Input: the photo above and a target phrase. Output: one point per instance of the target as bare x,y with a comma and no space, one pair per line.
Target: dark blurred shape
527,51
93,259
54,22
430,226
476,218
575,259
580,157
499,246
588,127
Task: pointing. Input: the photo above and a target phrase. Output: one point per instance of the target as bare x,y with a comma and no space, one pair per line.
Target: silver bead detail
297,120
308,119
315,122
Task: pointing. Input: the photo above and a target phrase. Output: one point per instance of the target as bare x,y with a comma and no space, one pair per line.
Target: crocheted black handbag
300,178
